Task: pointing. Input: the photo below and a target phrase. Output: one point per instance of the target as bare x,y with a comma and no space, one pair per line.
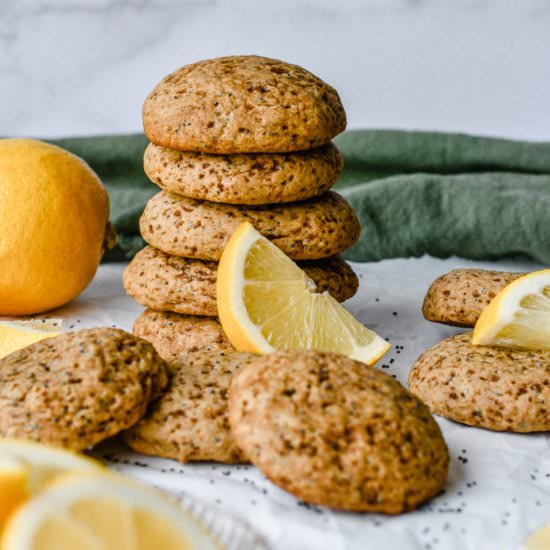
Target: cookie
244,178
489,387
334,432
182,285
308,230
458,297
190,421
79,388
175,335
242,104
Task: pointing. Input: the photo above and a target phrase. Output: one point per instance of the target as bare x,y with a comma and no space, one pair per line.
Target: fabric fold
415,192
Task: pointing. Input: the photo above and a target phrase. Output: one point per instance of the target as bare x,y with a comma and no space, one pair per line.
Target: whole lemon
53,221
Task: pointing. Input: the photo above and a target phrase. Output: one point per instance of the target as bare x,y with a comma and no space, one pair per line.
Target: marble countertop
70,67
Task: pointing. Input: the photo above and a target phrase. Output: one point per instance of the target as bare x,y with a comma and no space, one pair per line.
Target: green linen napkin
415,192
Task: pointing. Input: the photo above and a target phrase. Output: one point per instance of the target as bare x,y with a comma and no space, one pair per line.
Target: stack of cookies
236,139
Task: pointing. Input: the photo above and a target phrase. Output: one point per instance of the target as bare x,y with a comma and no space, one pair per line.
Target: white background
84,66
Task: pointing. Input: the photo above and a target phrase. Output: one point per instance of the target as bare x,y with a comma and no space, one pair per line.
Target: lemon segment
91,512
518,316
15,335
266,302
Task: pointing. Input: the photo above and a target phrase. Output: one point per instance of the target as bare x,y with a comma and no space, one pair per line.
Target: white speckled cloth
498,489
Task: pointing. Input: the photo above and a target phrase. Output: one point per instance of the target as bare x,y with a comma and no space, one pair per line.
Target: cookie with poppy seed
308,230
174,335
78,389
182,285
335,432
489,387
189,422
242,104
458,297
244,178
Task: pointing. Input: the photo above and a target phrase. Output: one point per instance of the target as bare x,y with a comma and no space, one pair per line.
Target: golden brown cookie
334,432
308,230
171,283
174,336
79,388
245,178
242,104
458,297
495,388
189,422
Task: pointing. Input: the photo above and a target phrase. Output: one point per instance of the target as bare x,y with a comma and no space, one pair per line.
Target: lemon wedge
15,335
92,512
26,467
518,316
266,302
539,539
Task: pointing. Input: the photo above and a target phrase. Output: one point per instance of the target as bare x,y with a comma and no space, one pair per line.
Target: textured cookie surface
174,335
489,387
334,432
242,104
308,230
190,421
172,283
459,297
245,178
75,390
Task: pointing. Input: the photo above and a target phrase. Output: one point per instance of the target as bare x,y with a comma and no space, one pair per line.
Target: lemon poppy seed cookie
244,178
79,388
174,335
308,230
458,297
337,433
170,283
242,104
190,421
489,387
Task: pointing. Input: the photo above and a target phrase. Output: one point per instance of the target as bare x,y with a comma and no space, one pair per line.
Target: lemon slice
518,316
26,467
13,486
266,302
102,512
15,335
539,539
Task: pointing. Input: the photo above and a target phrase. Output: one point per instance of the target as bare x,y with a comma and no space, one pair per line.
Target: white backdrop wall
71,67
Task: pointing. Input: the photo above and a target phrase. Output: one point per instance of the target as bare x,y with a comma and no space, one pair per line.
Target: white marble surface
84,66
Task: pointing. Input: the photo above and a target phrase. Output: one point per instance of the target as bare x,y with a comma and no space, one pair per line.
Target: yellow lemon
53,224
518,316
15,335
26,467
266,302
89,511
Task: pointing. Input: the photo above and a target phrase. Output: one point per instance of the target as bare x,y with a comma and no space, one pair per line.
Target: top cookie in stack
236,139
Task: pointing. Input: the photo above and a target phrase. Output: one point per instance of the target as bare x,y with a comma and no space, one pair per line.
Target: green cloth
415,192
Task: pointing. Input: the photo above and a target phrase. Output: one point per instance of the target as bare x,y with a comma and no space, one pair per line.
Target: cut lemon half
26,467
15,335
102,512
518,316
266,302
